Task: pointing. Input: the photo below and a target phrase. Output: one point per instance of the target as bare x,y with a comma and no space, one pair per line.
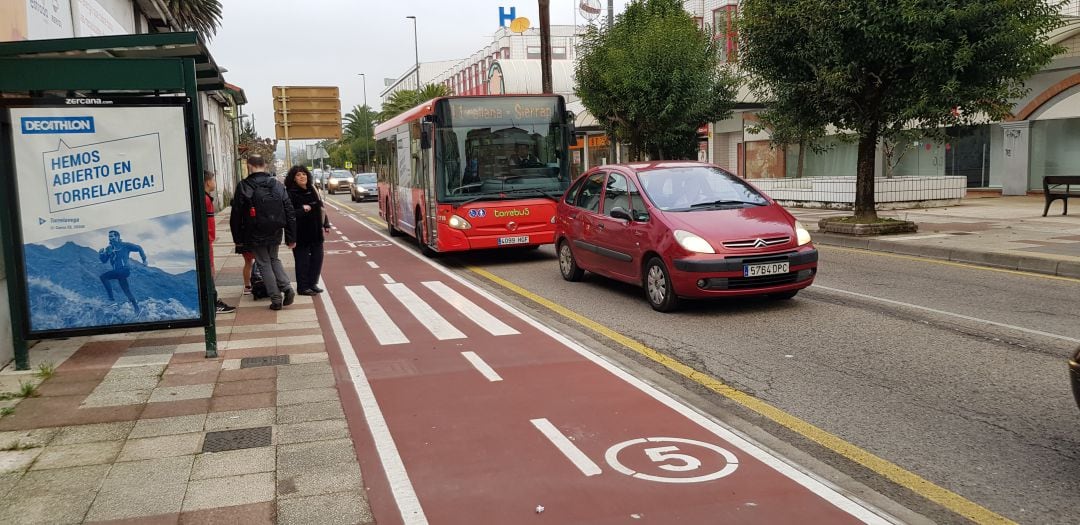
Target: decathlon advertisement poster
106,221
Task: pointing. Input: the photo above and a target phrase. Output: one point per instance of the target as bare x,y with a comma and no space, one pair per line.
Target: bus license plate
758,270
523,239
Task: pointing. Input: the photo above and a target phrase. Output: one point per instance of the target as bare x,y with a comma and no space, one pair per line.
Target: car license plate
758,270
523,239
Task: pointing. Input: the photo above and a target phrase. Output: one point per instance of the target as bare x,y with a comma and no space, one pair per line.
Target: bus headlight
801,234
458,223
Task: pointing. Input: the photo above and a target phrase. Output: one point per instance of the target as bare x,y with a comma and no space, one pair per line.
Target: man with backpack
261,212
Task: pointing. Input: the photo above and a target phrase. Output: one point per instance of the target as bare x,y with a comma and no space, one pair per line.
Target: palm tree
406,99
203,16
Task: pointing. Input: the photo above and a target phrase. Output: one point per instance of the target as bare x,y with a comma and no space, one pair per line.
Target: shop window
558,53
532,52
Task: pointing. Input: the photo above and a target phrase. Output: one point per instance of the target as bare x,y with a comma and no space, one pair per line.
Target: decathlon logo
40,125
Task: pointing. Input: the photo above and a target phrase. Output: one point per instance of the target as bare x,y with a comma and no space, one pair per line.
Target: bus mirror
425,136
571,130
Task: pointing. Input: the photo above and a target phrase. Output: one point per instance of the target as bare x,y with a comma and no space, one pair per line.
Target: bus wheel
424,249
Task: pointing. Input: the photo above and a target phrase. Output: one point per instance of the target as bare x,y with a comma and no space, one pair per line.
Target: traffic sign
348,164
307,112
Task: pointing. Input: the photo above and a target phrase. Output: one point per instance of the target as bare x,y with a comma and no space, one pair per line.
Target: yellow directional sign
348,164
307,112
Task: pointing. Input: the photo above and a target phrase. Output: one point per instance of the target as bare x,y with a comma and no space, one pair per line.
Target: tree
405,99
203,16
251,144
653,78
877,67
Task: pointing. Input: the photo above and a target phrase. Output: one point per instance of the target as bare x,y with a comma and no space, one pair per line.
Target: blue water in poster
125,274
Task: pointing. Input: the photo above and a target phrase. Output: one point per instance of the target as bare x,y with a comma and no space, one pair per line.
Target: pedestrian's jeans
309,260
274,276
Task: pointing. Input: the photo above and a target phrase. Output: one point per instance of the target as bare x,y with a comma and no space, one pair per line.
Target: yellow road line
886,468
951,263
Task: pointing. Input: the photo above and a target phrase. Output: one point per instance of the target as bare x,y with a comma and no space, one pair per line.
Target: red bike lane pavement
464,410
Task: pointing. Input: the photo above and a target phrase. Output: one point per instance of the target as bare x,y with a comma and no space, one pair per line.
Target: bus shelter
103,226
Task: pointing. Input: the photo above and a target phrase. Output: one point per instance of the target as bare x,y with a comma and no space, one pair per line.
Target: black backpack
266,207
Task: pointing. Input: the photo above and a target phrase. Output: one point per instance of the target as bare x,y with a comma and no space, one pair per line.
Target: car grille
757,243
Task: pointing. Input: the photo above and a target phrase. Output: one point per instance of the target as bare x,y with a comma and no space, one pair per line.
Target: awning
157,45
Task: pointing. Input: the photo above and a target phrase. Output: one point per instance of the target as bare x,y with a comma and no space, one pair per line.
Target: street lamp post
416,49
367,114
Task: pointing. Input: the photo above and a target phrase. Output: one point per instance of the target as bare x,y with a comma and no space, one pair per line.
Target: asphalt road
954,373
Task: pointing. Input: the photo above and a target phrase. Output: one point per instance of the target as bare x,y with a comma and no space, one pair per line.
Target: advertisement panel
105,217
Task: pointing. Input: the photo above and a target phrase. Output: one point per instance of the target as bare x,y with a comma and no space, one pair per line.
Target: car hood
751,222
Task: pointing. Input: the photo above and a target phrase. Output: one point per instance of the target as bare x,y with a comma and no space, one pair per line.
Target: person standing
262,212
209,185
311,226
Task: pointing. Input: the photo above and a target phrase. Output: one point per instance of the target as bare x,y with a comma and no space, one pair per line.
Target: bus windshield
491,147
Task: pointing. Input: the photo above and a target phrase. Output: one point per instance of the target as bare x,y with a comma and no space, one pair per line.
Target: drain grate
270,360
237,439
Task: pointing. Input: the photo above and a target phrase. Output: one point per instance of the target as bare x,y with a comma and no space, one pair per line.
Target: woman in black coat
311,225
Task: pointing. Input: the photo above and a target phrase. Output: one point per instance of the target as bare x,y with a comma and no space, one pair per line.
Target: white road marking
387,278
373,265
361,253
400,484
376,318
352,245
478,315
823,488
482,367
423,312
561,442
344,238
950,314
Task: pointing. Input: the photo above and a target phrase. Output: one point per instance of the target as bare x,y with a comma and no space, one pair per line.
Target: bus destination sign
524,110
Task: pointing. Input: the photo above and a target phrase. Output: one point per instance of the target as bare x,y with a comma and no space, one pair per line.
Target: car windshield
487,148
341,174
365,178
691,188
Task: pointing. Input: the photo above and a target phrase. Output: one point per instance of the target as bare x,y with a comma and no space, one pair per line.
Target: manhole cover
270,360
237,439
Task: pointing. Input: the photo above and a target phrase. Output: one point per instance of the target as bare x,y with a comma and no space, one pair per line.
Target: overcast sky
329,42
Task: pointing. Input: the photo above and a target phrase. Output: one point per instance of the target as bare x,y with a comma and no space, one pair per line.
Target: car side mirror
619,213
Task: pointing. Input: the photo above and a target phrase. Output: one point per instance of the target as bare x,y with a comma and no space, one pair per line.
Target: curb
1023,263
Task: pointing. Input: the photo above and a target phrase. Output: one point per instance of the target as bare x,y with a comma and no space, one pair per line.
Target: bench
1060,187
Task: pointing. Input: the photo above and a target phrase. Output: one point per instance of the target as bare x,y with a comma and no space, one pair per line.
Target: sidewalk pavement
142,428
1003,232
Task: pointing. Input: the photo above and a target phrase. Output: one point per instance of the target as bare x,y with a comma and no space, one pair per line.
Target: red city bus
475,172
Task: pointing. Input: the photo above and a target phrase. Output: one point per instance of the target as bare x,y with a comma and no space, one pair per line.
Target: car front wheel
658,289
568,265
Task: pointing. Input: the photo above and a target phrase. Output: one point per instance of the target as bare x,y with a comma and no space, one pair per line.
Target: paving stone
229,491
127,384
304,369
53,496
243,402
91,433
63,456
307,395
251,386
296,459
259,417
8,481
38,437
113,399
17,461
181,393
161,447
311,431
234,463
252,514
322,480
314,357
310,412
135,371
168,426
304,382
143,488
343,508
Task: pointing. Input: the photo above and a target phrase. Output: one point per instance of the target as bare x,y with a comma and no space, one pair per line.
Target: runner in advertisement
105,208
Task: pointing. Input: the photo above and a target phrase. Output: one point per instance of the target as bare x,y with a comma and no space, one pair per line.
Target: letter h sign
505,17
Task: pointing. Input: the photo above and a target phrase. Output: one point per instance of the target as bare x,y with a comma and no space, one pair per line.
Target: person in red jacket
210,184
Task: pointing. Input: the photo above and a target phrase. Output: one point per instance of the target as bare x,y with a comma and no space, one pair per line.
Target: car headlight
692,242
801,234
458,223
333,180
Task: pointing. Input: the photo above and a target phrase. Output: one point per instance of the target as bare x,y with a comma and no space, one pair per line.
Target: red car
681,229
